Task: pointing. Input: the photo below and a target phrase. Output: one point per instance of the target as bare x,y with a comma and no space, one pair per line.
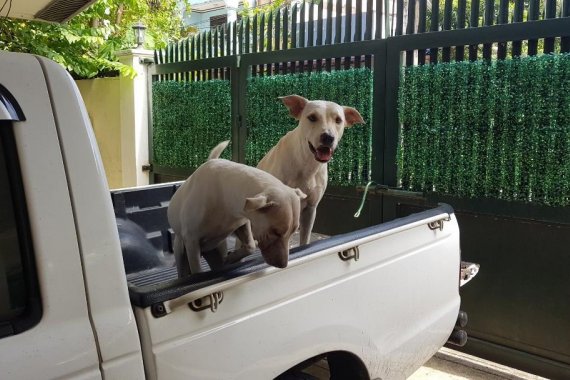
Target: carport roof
46,10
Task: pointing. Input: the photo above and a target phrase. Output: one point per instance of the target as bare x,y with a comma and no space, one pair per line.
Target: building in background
208,14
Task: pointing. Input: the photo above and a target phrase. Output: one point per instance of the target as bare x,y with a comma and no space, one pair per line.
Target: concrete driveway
452,365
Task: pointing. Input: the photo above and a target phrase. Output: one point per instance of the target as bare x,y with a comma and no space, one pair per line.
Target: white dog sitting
300,158
222,197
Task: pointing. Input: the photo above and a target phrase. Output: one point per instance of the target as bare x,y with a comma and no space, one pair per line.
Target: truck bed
147,208
167,272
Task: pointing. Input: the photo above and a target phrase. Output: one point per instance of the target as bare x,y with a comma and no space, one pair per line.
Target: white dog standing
222,197
300,158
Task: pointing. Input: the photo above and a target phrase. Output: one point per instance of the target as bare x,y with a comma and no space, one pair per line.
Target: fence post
244,75
238,79
379,114
391,128
134,117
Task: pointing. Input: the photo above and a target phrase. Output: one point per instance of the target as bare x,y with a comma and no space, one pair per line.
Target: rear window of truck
20,307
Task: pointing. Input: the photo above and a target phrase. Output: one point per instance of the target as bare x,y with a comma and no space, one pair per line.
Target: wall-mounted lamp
139,30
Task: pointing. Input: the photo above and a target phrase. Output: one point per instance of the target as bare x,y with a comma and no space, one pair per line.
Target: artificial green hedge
268,119
498,130
189,119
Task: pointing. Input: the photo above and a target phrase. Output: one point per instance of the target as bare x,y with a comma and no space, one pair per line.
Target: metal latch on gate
350,254
438,224
211,301
468,271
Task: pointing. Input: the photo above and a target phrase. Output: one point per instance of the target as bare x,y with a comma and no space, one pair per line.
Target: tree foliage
249,11
86,44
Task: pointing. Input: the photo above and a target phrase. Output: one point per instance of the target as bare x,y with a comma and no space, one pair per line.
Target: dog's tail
218,149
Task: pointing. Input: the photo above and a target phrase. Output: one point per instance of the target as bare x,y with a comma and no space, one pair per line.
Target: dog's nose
327,139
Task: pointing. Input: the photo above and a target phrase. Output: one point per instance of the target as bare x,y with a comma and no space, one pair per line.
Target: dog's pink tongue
324,153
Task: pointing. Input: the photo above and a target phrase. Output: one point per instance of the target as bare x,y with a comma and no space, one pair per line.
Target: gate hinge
350,254
146,61
468,271
147,168
211,301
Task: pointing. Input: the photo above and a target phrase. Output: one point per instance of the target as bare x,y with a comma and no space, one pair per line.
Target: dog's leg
306,221
217,256
245,235
193,255
182,266
247,246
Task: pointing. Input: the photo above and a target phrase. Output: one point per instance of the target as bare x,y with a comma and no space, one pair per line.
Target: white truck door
45,330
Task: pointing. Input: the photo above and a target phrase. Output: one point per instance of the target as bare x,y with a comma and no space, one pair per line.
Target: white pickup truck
375,303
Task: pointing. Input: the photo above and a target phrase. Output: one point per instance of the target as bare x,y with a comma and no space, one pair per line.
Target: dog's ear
352,116
299,193
295,104
259,203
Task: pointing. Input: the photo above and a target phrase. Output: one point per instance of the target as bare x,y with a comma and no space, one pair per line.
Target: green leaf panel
189,119
480,129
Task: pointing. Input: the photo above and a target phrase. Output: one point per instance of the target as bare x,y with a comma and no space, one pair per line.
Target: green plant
86,45
489,130
189,119
249,11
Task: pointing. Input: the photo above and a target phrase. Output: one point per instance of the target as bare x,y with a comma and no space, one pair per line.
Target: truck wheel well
340,365
344,365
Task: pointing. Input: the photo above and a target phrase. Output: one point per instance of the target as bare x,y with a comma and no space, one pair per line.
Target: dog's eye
312,118
338,120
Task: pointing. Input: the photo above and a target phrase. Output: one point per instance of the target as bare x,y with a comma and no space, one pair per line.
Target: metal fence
307,24
301,25
518,305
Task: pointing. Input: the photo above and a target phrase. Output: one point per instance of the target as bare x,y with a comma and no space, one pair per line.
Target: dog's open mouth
322,153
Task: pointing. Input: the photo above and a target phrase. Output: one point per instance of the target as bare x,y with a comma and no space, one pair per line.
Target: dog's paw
236,256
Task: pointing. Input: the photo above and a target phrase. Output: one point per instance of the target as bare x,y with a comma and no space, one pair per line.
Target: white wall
102,99
118,111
